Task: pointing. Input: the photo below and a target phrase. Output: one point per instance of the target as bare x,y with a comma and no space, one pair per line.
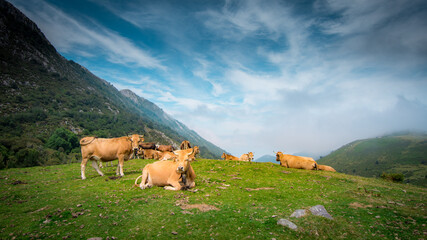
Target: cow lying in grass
248,157
325,168
291,161
172,175
229,157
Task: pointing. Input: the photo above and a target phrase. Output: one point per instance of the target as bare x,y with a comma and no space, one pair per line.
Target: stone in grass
287,223
299,213
319,210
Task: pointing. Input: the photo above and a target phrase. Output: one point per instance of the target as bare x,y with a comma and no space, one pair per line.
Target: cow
148,145
149,154
229,157
167,156
172,175
108,149
185,145
248,157
325,168
165,148
291,161
192,157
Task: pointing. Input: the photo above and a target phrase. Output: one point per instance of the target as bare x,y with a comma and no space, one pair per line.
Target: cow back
148,145
165,148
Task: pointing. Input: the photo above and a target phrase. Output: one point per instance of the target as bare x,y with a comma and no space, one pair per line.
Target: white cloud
70,35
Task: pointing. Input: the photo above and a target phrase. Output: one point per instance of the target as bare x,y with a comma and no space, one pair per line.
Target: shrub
394,177
63,139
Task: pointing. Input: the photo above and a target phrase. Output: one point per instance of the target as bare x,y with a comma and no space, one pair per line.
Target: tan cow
185,145
229,157
172,175
325,168
192,157
108,149
149,154
167,156
248,157
291,161
165,148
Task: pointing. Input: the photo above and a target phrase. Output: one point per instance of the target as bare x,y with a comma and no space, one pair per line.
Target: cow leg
146,181
120,166
95,165
83,167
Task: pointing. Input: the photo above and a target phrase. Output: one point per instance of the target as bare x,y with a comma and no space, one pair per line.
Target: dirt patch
202,207
257,189
18,182
359,205
114,177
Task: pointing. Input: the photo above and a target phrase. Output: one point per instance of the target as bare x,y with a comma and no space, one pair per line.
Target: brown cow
149,154
325,168
108,149
172,175
248,157
291,161
148,145
165,148
192,157
167,156
229,157
185,145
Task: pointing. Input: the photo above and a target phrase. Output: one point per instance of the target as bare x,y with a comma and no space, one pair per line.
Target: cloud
89,38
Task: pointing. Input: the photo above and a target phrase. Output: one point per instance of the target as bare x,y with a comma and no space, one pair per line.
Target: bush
394,177
63,139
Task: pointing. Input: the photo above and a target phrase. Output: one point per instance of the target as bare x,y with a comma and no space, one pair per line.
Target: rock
95,238
287,223
319,210
299,213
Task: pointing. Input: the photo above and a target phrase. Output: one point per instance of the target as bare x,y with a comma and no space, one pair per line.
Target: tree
63,139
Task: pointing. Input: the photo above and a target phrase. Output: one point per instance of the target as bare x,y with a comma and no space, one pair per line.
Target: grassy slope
40,202
406,154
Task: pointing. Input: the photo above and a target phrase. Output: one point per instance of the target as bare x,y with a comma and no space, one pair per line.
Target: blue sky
261,76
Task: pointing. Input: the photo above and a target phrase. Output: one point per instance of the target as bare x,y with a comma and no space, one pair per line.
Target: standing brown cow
108,149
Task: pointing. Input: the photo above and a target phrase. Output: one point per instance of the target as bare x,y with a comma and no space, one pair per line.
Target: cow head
251,156
278,155
135,140
223,155
183,159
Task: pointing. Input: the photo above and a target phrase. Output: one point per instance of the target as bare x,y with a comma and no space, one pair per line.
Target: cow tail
136,180
84,141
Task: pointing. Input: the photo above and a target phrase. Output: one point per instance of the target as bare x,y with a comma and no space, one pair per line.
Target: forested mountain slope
43,92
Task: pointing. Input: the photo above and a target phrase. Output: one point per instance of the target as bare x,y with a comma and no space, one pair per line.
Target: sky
301,76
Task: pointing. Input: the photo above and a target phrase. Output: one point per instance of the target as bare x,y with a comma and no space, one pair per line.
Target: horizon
256,76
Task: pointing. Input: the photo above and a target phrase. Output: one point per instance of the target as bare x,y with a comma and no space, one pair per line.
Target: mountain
152,111
399,153
46,98
266,158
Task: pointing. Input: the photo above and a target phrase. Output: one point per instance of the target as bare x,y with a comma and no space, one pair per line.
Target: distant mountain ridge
405,154
266,158
42,91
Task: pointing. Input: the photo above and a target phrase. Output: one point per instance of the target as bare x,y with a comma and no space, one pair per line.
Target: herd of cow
173,170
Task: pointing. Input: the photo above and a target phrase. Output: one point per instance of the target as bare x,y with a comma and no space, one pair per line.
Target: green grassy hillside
405,154
235,200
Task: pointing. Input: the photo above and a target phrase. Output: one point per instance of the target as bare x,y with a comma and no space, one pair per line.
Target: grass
53,203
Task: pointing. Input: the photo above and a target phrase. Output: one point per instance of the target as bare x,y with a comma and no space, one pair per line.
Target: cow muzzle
180,169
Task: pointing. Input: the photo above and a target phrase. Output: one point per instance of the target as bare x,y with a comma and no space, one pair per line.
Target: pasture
231,200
